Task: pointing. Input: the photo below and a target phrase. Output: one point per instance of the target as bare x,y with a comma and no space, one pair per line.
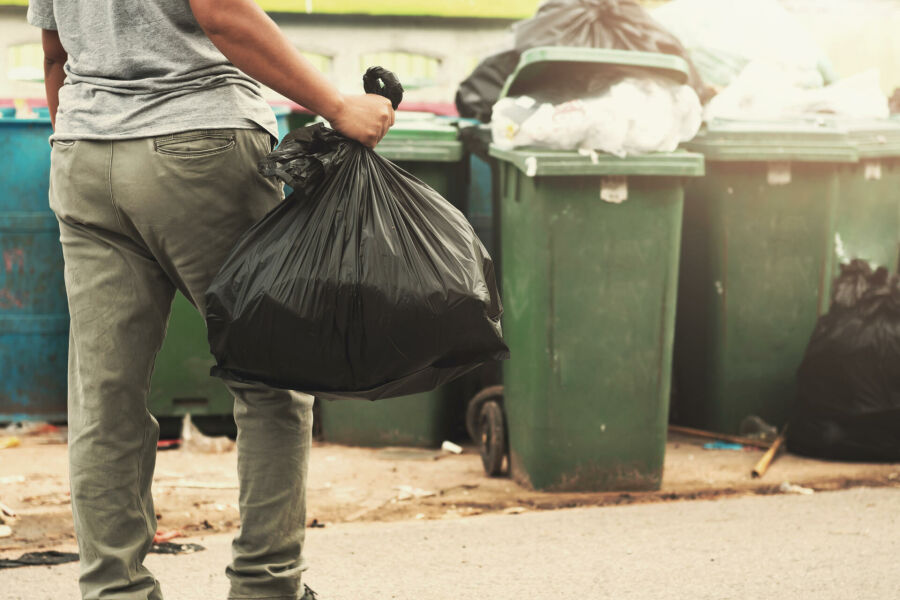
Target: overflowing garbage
848,399
611,24
630,115
723,37
775,91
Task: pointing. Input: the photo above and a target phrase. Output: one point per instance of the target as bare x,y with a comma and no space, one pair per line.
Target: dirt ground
196,492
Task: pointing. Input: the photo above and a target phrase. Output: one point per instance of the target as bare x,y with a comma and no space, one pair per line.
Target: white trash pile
633,116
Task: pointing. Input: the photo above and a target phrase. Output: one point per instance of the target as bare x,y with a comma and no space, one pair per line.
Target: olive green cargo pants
139,219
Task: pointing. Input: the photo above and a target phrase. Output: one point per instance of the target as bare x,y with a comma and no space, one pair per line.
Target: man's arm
247,37
54,60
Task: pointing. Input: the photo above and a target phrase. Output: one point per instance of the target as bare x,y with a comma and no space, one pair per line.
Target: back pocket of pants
195,143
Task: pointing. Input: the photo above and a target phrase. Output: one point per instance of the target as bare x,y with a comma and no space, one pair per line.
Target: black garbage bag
848,403
614,24
363,283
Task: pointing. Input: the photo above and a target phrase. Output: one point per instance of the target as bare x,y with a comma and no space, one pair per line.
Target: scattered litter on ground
30,428
449,446
746,441
36,559
10,442
407,454
722,446
168,444
164,536
5,531
407,492
173,548
789,488
12,479
314,524
420,516
515,510
770,456
58,499
45,432
756,428
194,440
6,511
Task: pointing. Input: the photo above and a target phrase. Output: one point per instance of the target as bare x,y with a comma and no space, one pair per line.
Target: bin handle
379,80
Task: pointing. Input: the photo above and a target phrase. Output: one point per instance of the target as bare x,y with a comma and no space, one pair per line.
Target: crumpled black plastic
364,283
613,24
848,402
35,559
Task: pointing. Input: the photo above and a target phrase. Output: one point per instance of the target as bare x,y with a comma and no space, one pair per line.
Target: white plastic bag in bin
633,116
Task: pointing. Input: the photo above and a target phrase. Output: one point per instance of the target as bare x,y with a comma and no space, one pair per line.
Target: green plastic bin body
589,312
589,280
867,221
758,257
181,383
429,150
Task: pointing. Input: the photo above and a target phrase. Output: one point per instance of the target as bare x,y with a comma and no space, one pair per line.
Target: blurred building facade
434,51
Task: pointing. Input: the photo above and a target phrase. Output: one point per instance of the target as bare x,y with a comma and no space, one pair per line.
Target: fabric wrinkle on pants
139,220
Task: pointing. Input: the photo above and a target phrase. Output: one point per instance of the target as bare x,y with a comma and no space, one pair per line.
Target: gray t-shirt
141,68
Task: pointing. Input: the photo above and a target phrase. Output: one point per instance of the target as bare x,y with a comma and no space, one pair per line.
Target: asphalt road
837,545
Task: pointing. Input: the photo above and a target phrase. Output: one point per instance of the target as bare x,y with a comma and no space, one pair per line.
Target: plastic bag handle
379,80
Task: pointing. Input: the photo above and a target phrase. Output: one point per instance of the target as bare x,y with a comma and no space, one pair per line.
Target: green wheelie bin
428,148
590,265
759,254
867,221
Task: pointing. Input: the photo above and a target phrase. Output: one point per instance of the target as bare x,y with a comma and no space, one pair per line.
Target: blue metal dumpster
34,318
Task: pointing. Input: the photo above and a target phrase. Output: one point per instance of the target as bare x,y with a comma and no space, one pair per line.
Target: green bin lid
873,138
420,136
767,141
421,139
540,162
580,63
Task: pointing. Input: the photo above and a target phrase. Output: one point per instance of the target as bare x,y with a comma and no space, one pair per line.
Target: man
158,130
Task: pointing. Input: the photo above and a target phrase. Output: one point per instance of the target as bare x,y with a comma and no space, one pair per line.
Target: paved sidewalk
833,545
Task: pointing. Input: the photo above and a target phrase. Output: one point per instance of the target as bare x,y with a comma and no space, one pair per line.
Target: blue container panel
281,117
481,209
34,320
33,358
24,165
31,266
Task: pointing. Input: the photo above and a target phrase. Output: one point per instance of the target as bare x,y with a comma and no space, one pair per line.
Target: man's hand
366,118
55,57
254,44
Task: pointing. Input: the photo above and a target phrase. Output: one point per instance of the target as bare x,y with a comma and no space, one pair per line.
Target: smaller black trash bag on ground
364,283
848,404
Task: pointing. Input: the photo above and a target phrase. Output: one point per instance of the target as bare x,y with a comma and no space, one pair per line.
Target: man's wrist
331,111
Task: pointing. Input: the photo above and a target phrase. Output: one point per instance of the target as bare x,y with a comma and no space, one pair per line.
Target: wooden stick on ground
719,436
769,457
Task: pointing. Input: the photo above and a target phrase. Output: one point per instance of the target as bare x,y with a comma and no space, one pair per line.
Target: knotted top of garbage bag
307,156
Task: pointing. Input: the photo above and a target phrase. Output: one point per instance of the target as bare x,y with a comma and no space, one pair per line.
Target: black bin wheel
473,411
493,437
